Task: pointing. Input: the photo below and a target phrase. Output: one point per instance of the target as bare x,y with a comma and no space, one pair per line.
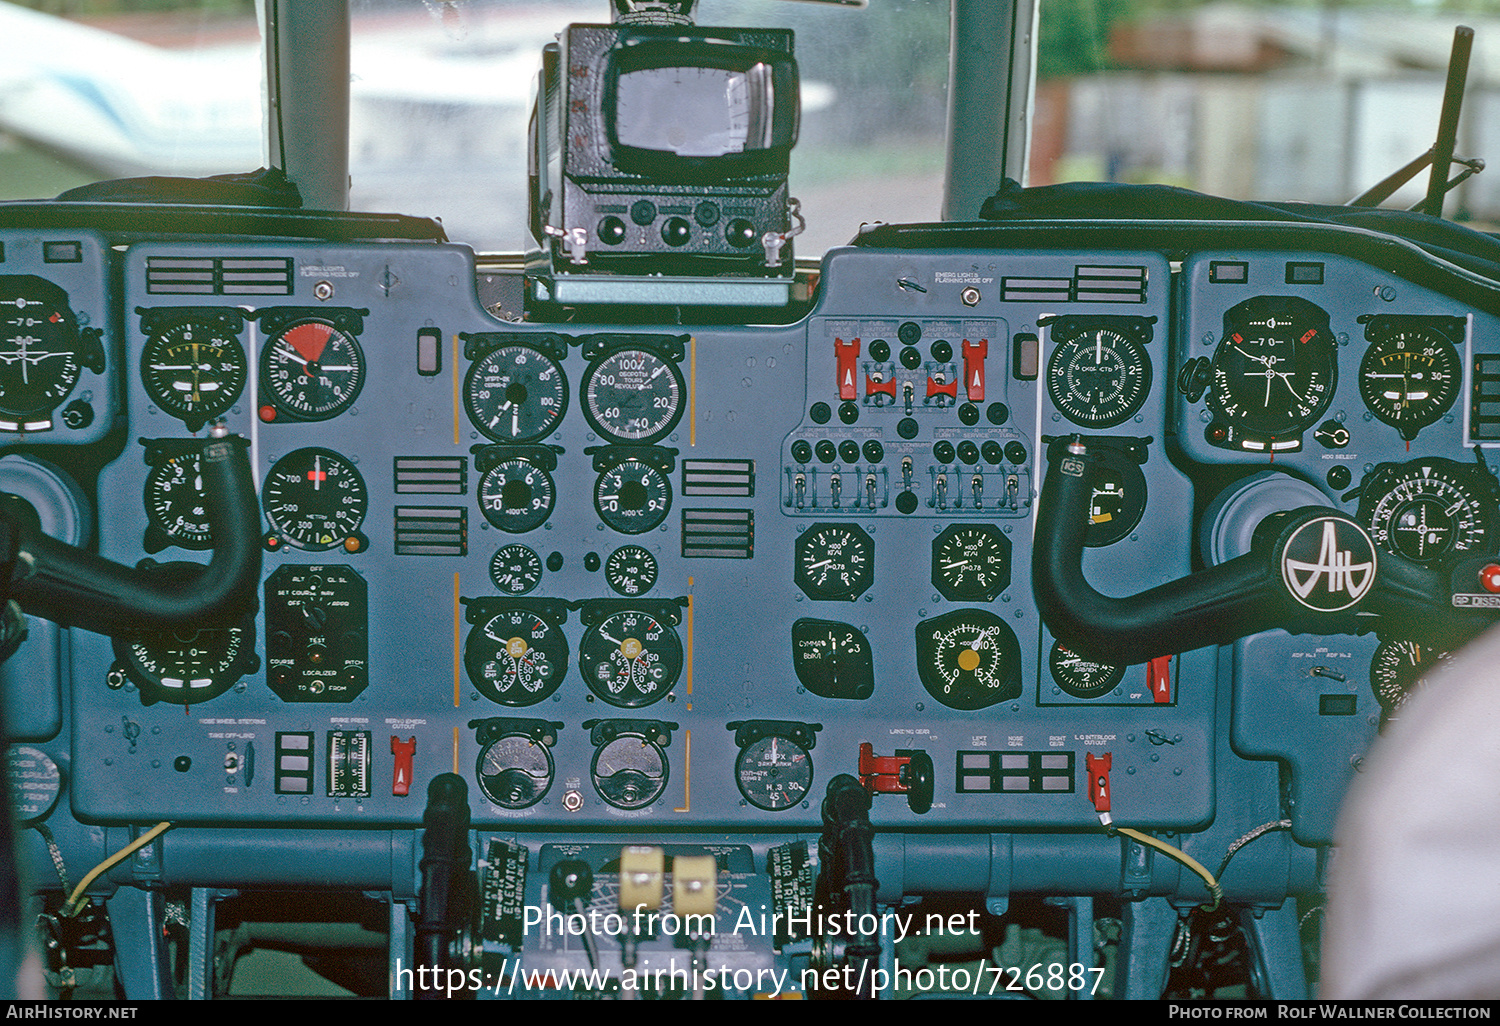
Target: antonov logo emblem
1328,569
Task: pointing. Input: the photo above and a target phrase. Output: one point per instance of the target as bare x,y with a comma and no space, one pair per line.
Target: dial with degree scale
632,497
312,370
40,346
1276,367
1429,510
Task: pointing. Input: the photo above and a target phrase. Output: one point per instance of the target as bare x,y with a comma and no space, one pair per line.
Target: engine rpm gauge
1410,377
516,657
194,369
1429,510
630,658
515,393
632,395
1098,375
315,500
969,659
312,369
1275,370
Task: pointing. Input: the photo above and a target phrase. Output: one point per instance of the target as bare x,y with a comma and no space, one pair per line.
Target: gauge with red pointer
312,370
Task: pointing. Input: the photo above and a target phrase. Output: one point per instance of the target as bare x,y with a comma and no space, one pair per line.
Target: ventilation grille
432,531
219,276
718,534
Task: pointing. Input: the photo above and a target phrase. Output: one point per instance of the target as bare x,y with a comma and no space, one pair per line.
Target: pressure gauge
515,393
630,658
971,562
633,395
516,657
312,370
834,561
515,569
1080,677
630,570
315,500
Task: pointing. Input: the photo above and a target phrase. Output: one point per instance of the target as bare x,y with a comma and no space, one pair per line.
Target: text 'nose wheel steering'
1310,570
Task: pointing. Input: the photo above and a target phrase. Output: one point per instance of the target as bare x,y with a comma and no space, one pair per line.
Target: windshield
1239,100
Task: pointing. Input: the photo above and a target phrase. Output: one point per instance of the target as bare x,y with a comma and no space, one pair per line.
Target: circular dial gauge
630,570
516,495
633,395
514,771
516,657
1080,677
186,666
971,562
630,658
174,501
835,561
630,772
1275,369
313,370
515,569
39,341
315,499
632,497
515,394
1098,376
774,773
969,659
1410,378
1397,669
1427,510
195,371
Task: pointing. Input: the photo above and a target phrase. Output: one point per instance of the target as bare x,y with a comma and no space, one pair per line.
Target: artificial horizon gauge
1098,375
1411,374
195,368
1429,510
1275,369
834,562
175,504
632,395
187,666
312,369
516,657
516,495
515,393
774,772
969,659
42,351
1080,677
630,658
632,497
514,771
315,500
515,569
630,570
971,562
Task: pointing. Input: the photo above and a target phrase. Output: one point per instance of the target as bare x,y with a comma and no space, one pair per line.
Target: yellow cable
76,899
1181,856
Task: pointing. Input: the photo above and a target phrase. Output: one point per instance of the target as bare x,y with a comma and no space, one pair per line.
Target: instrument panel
666,582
